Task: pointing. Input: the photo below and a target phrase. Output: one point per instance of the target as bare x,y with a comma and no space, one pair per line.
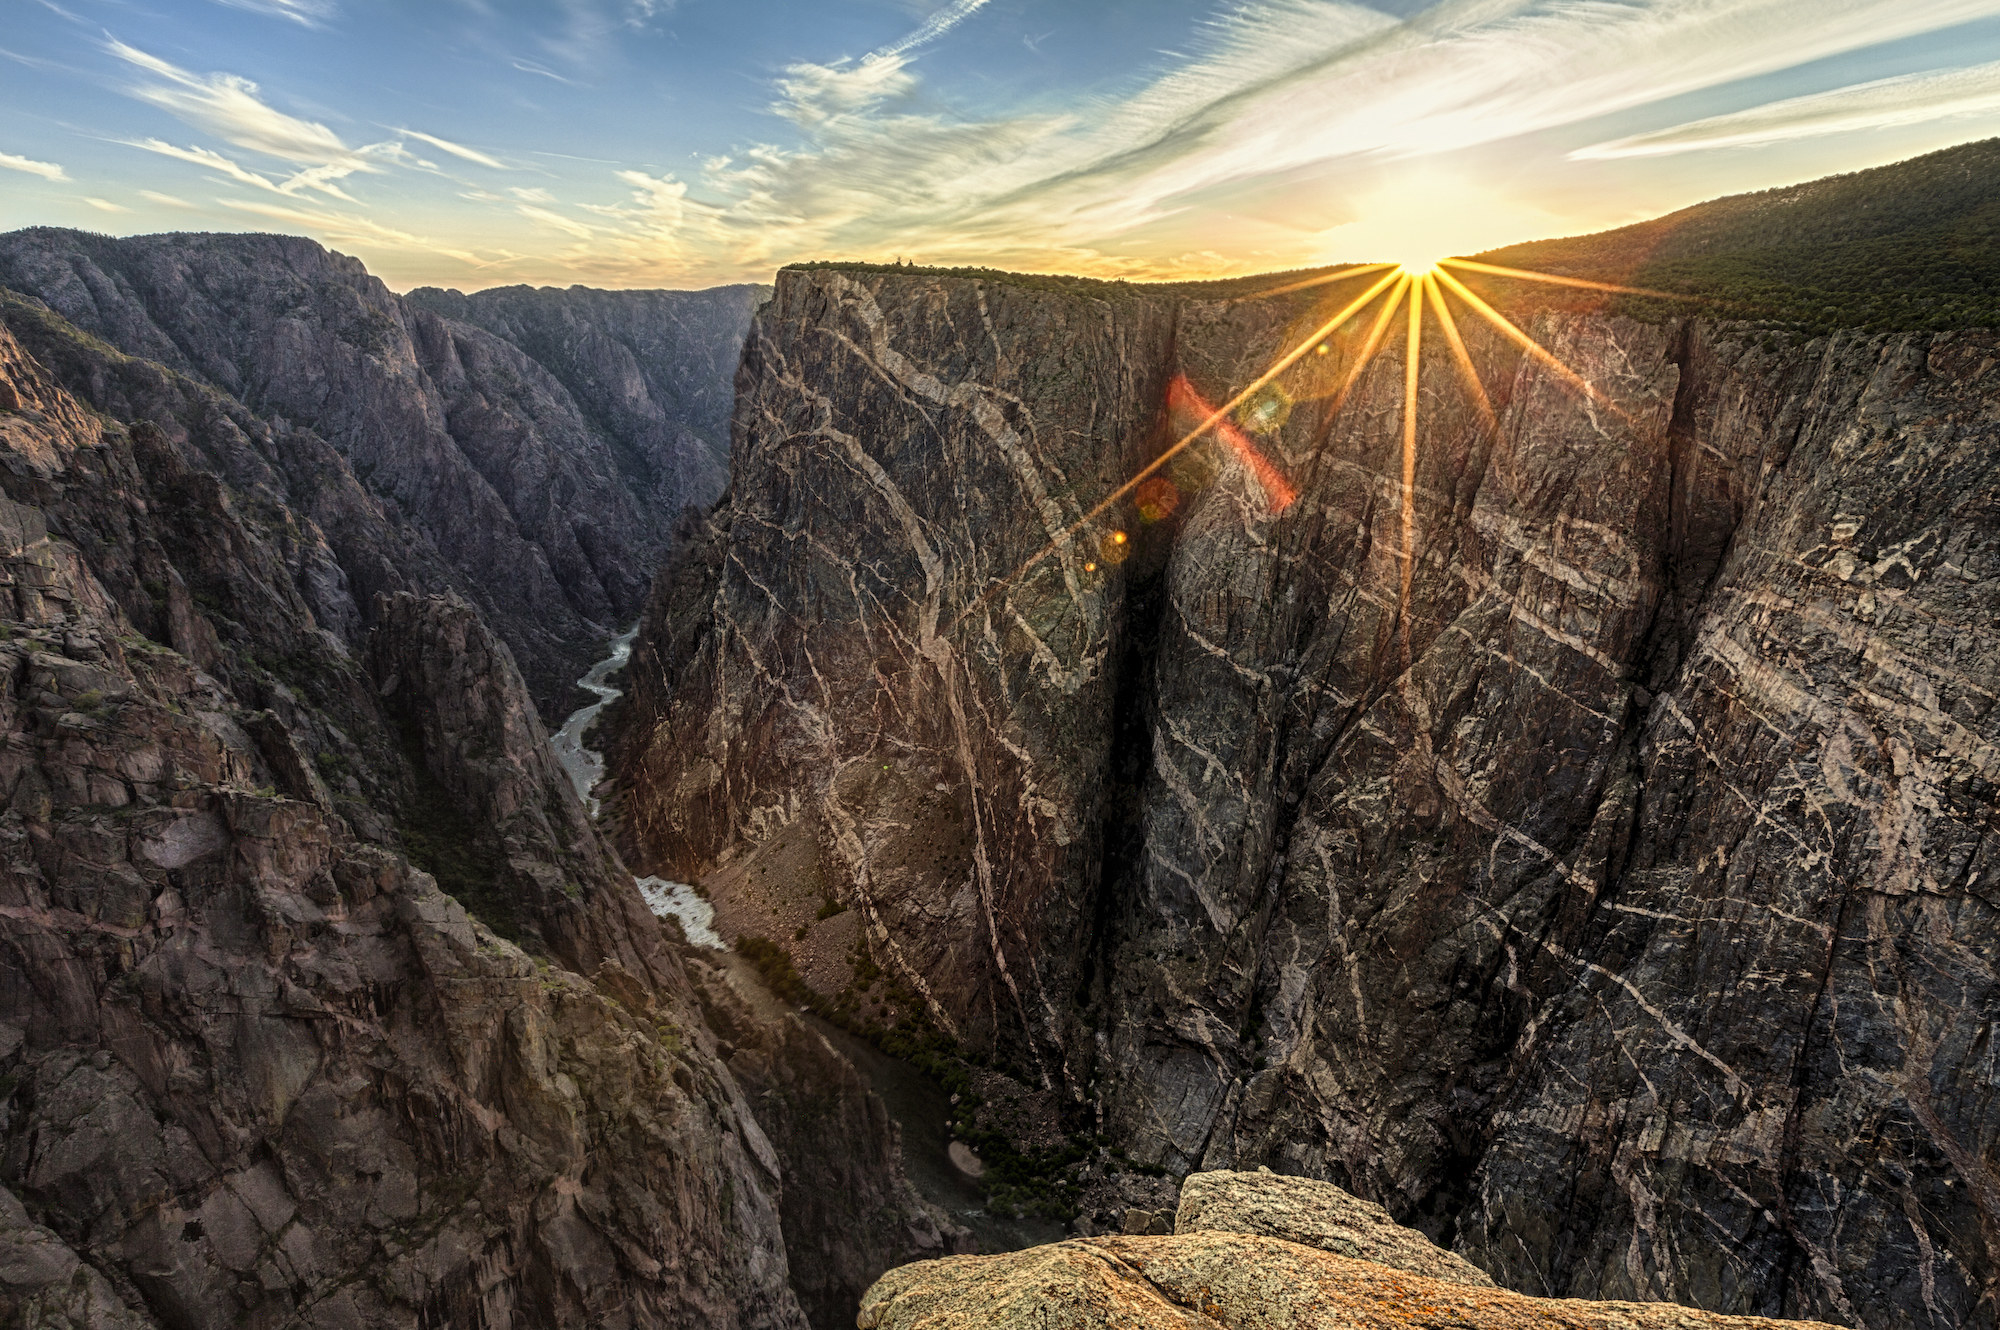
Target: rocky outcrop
1602,889
256,1067
1232,1280
548,518
1314,1214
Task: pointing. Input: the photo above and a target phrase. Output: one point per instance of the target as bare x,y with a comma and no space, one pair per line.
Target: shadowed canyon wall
1604,887
321,999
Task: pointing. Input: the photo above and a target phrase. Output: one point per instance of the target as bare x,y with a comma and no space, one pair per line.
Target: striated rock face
1315,1214
1233,1280
546,514
1602,890
256,1067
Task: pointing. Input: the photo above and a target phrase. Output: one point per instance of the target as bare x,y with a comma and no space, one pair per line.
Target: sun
1419,268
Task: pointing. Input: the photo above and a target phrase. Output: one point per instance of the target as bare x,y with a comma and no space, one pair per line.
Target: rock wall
546,510
651,370
256,1067
1600,888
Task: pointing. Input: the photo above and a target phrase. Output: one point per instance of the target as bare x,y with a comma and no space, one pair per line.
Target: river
585,765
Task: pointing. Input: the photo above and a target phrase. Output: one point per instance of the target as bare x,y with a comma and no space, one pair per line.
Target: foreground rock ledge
1233,1280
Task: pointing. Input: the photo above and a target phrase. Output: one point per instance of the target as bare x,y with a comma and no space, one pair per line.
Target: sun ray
1472,265
1527,343
1462,357
1371,345
1221,413
1413,363
1356,271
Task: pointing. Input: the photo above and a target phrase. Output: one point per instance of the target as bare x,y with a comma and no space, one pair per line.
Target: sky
685,143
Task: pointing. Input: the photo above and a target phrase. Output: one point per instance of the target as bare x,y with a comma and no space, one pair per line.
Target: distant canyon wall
1604,889
540,468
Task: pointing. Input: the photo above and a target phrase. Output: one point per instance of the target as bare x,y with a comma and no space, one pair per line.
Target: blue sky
473,143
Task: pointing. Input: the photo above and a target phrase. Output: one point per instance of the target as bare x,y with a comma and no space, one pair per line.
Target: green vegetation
1913,246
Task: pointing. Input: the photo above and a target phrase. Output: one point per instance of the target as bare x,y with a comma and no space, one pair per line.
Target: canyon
1532,873
324,1000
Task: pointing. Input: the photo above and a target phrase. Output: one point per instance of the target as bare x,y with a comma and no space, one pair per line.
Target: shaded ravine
920,1107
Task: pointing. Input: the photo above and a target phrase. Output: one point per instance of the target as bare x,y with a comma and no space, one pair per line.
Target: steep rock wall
1599,888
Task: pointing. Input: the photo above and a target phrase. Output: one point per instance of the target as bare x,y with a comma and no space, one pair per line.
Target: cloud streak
1912,99
932,28
29,166
306,13
458,150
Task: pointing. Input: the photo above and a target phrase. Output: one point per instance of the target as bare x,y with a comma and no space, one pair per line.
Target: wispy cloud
46,170
317,178
104,205
164,200
541,71
1912,99
309,13
230,108
567,225
932,28
458,150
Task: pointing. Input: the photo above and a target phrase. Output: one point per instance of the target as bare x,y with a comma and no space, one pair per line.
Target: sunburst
1410,286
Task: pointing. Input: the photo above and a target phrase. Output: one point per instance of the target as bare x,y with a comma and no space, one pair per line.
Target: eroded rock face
652,370
1229,1279
1315,1214
256,1068
548,517
1600,887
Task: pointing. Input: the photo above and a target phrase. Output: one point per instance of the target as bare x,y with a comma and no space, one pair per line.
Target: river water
585,766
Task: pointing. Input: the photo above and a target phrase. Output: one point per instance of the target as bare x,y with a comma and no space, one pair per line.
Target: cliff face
256,1067
650,370
1602,890
545,510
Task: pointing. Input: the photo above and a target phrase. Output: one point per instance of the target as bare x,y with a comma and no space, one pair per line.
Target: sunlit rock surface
1614,907
1230,1280
1314,1214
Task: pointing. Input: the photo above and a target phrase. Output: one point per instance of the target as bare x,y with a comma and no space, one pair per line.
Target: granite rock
1233,1280
1593,873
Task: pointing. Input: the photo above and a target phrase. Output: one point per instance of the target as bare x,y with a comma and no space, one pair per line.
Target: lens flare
1183,397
